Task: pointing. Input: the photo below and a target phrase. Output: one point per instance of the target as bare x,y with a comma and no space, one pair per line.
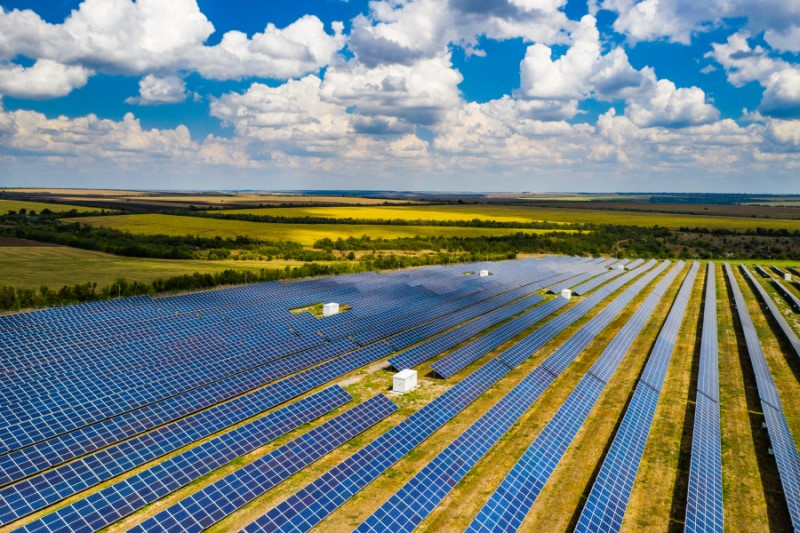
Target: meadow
511,213
306,234
55,266
17,205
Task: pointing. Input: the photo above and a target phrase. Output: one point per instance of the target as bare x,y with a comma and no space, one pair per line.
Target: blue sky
524,95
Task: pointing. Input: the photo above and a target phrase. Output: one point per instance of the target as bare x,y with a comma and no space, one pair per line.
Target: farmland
305,234
54,266
512,213
17,205
751,496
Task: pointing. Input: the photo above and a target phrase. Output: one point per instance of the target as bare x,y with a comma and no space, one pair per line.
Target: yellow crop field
502,213
305,234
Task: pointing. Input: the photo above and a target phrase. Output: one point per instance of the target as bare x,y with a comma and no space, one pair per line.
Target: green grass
16,205
55,266
502,213
305,234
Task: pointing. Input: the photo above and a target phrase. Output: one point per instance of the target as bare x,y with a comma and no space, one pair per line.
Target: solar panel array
479,347
533,342
213,503
77,475
786,330
704,500
793,300
780,436
417,498
307,507
593,283
124,497
310,505
761,272
432,347
605,506
510,503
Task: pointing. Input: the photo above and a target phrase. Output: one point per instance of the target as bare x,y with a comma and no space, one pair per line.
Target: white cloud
45,79
744,64
668,106
164,38
299,48
289,117
583,71
785,132
29,132
378,97
405,31
159,90
677,20
782,95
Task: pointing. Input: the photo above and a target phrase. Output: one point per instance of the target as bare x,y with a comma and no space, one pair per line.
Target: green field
305,234
503,213
16,205
55,266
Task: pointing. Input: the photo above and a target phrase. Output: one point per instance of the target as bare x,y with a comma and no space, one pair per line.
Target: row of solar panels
215,500
73,476
151,385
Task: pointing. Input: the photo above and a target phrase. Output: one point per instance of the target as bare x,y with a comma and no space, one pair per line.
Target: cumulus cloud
45,79
668,106
406,31
782,95
149,36
677,20
299,48
291,116
582,72
29,132
414,94
744,63
159,90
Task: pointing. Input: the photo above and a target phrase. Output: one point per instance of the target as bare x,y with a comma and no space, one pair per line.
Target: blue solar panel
211,504
417,498
508,506
786,330
310,505
479,347
783,444
704,501
523,349
605,506
126,496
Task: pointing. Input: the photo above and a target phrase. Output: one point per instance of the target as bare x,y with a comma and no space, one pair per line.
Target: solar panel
214,502
783,444
704,501
128,495
310,505
510,503
417,498
786,330
593,283
605,506
479,347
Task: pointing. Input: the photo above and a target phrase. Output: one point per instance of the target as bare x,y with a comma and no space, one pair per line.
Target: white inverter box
404,381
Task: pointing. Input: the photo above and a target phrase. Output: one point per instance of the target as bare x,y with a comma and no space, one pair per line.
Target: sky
433,95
